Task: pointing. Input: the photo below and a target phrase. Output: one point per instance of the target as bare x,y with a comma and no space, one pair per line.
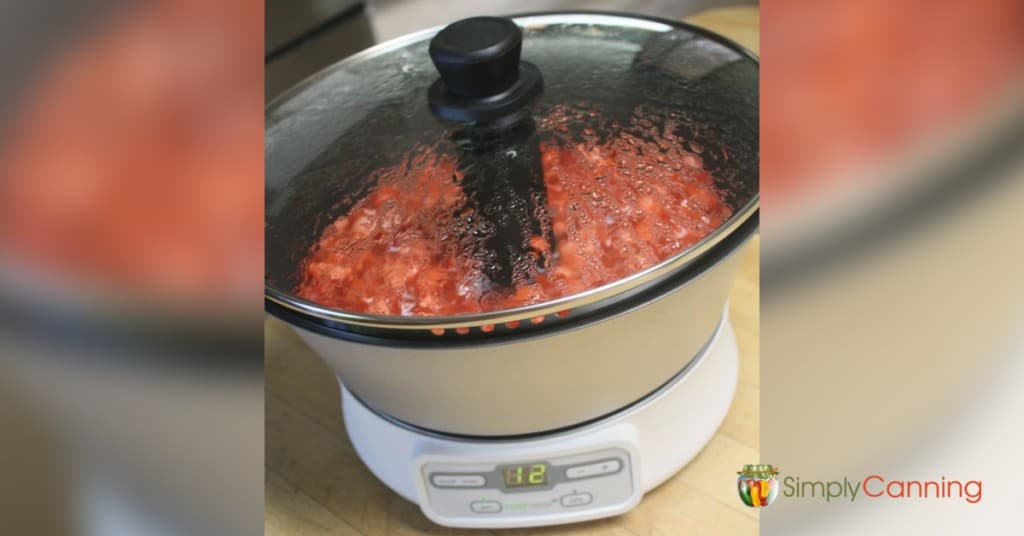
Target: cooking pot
550,363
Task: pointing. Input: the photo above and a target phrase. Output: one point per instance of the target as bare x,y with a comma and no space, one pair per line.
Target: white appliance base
657,437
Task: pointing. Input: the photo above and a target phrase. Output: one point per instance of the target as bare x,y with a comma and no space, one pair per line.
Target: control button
577,499
600,468
457,481
485,507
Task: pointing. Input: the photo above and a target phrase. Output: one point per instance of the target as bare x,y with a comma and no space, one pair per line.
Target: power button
485,507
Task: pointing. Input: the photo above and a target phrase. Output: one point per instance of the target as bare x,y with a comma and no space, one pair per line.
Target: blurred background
892,310
131,176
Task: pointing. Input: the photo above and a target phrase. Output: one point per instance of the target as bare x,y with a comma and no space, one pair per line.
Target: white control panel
532,490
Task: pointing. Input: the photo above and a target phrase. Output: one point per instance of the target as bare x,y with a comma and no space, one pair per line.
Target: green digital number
513,476
537,473
525,475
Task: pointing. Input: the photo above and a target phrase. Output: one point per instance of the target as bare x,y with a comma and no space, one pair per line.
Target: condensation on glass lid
619,200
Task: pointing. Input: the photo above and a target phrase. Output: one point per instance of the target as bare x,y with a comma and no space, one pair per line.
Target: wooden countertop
315,483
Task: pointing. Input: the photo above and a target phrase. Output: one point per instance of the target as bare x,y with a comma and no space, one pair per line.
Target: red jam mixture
615,208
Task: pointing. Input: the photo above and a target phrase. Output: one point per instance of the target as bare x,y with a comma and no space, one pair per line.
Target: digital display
534,474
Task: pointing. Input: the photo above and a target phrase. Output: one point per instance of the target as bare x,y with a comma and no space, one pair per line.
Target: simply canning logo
759,486
881,488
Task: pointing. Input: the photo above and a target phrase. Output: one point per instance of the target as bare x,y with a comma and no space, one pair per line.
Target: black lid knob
482,78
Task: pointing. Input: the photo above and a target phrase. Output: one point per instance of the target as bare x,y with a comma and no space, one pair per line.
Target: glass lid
507,167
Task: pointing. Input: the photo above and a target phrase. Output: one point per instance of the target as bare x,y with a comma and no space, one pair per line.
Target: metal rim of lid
586,298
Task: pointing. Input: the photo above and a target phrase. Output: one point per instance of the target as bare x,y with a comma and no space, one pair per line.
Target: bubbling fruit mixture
614,208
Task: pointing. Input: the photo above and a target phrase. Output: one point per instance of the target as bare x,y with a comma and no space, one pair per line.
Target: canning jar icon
758,485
